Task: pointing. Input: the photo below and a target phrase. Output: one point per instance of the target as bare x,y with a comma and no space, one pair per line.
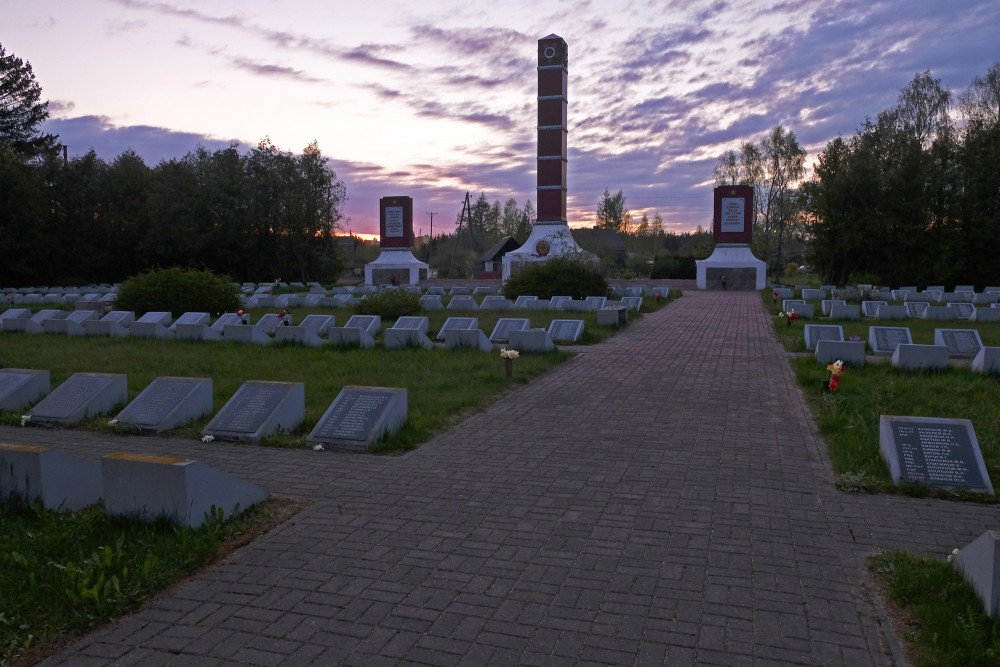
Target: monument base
732,267
547,240
395,266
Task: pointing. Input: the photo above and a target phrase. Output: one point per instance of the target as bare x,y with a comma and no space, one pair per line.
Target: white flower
318,448
25,419
509,354
208,438
113,422
951,556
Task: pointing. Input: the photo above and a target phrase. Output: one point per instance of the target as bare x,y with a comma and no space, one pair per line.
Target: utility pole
430,243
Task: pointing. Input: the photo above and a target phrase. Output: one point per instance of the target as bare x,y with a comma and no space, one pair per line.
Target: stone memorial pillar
396,264
732,265
550,235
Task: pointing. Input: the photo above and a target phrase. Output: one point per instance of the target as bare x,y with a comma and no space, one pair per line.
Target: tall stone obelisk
550,235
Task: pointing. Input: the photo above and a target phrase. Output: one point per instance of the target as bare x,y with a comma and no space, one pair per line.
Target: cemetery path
663,498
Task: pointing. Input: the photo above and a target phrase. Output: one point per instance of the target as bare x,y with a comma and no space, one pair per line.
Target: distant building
492,259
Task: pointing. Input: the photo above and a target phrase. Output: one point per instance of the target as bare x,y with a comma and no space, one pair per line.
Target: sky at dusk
437,98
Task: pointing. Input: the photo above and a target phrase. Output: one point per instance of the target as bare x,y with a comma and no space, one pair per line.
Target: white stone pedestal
743,271
395,262
547,240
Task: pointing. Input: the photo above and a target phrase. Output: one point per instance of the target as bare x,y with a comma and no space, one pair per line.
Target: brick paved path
663,498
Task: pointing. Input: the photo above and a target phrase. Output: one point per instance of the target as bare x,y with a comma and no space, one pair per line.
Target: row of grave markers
357,417
360,330
837,309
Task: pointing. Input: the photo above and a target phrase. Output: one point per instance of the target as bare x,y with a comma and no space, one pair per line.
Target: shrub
178,290
389,304
681,267
559,276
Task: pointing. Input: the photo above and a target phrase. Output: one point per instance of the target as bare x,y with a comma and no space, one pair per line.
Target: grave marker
883,340
457,323
501,332
56,479
934,451
815,332
21,387
359,416
960,342
258,409
566,331
169,402
81,395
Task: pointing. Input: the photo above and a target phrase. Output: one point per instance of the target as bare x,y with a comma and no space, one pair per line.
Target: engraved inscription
152,407
939,454
71,395
354,416
961,342
889,339
249,409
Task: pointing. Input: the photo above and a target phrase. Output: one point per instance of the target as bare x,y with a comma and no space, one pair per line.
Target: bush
680,267
389,304
559,276
178,290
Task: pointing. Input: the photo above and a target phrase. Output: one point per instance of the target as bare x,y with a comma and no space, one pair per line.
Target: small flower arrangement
951,556
208,438
25,420
319,448
790,316
285,316
112,423
508,357
836,370
242,314
509,354
855,339
774,295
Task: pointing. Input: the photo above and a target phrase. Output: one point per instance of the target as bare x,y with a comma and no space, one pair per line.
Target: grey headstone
370,324
56,479
915,309
496,302
559,302
847,311
457,323
435,290
318,324
789,304
964,310
412,322
463,302
817,332
783,293
850,352
501,332
182,491
82,395
522,301
243,333
635,302
152,325
597,302
359,416
537,304
258,409
399,338
883,340
114,324
460,291
614,316
934,451
15,314
979,563
888,312
811,294
431,302
566,331
960,342
467,338
941,313
915,357
531,340
987,361
300,335
870,308
826,304
192,318
20,387
349,337
169,402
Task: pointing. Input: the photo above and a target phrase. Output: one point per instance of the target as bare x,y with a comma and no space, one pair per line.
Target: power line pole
430,243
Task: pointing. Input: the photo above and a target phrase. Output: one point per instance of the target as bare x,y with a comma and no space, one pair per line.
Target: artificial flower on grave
836,370
774,295
285,316
242,314
790,316
509,354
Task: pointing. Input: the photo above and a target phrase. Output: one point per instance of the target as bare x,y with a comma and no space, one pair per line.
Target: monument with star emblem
732,265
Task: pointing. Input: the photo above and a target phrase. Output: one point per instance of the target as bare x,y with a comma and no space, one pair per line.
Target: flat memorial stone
522,301
979,563
349,337
360,416
826,304
496,302
850,352
870,308
15,314
431,302
960,342
169,402
115,324
21,387
152,325
987,361
985,315
596,302
816,332
943,313
501,332
244,333
916,357
370,324
887,312
180,490
848,311
915,309
456,323
421,324
531,340
566,331
559,302
258,409
81,395
59,481
883,340
934,451
72,324
812,294
318,324
788,304
635,303
467,338
398,338
964,310
463,302
191,318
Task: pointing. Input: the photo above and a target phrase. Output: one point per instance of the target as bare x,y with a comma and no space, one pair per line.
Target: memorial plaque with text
21,387
258,409
81,395
885,339
565,331
169,402
960,342
359,416
936,452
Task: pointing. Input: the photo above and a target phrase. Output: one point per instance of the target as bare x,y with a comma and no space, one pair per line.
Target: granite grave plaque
565,331
169,402
457,323
81,395
359,416
960,342
883,340
933,451
258,409
22,387
501,332
817,332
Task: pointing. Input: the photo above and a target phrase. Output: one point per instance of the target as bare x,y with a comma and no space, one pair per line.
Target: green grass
849,418
442,385
945,622
65,573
